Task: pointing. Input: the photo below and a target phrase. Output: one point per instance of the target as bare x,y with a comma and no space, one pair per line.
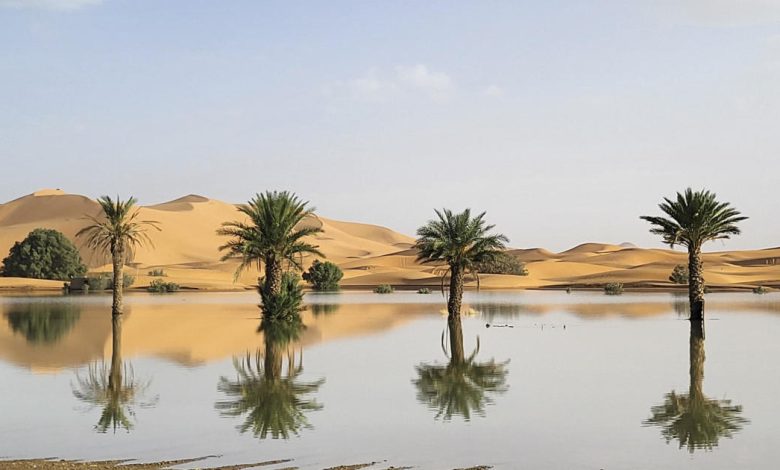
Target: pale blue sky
565,120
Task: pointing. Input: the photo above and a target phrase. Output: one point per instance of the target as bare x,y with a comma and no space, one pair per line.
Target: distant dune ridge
187,249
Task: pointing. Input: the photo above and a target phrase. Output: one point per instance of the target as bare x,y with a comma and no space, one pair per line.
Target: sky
564,120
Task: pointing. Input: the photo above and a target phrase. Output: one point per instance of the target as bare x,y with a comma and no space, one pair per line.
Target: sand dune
187,248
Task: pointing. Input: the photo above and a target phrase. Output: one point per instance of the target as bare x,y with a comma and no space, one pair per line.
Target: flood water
579,381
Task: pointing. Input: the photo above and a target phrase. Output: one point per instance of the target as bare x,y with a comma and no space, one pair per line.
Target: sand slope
187,248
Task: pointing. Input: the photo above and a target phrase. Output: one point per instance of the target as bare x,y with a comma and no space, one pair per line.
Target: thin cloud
48,4
420,77
493,91
723,12
404,80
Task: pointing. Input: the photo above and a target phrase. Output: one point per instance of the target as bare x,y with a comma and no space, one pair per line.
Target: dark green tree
42,322
272,396
504,263
323,276
116,231
461,243
679,274
44,254
693,419
272,236
695,217
287,303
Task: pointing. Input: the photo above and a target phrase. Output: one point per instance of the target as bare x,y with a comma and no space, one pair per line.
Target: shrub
679,274
105,281
160,287
613,288
424,290
760,290
323,276
503,264
384,289
287,304
158,272
44,254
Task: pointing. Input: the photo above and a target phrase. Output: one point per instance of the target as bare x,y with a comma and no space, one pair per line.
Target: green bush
384,289
504,263
323,276
679,274
760,290
105,281
160,287
44,254
287,304
613,288
157,273
424,290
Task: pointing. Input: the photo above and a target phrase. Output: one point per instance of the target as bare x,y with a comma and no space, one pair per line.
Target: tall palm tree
461,242
695,217
118,232
274,235
463,386
693,419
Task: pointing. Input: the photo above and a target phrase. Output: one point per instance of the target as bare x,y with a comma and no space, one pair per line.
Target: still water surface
558,381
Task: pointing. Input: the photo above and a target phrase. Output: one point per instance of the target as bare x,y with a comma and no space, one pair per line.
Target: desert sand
187,249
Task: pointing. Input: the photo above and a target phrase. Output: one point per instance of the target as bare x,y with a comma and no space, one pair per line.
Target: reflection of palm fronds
274,401
460,389
96,389
696,422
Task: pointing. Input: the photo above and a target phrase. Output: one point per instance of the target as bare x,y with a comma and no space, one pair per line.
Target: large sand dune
187,248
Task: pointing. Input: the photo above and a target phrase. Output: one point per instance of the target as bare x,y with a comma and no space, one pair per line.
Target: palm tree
695,420
274,235
274,401
462,386
695,218
462,242
116,231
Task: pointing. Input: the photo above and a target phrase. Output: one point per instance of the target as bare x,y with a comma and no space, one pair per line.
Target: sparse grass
159,286
424,290
613,288
384,289
760,290
159,272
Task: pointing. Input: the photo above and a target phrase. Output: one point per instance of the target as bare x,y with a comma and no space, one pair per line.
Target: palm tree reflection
463,386
114,388
693,419
271,395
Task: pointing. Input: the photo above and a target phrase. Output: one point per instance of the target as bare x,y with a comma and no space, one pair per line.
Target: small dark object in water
487,325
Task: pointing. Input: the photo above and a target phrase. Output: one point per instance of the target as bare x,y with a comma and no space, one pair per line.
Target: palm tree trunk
115,374
696,361
695,283
456,292
117,258
456,340
273,276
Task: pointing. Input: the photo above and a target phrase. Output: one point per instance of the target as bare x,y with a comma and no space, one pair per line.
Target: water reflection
463,386
42,322
693,419
115,388
323,309
273,396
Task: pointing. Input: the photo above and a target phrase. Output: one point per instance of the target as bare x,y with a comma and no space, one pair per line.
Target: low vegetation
285,305
158,272
424,290
44,254
613,288
159,286
679,275
323,276
502,263
105,281
384,289
760,290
